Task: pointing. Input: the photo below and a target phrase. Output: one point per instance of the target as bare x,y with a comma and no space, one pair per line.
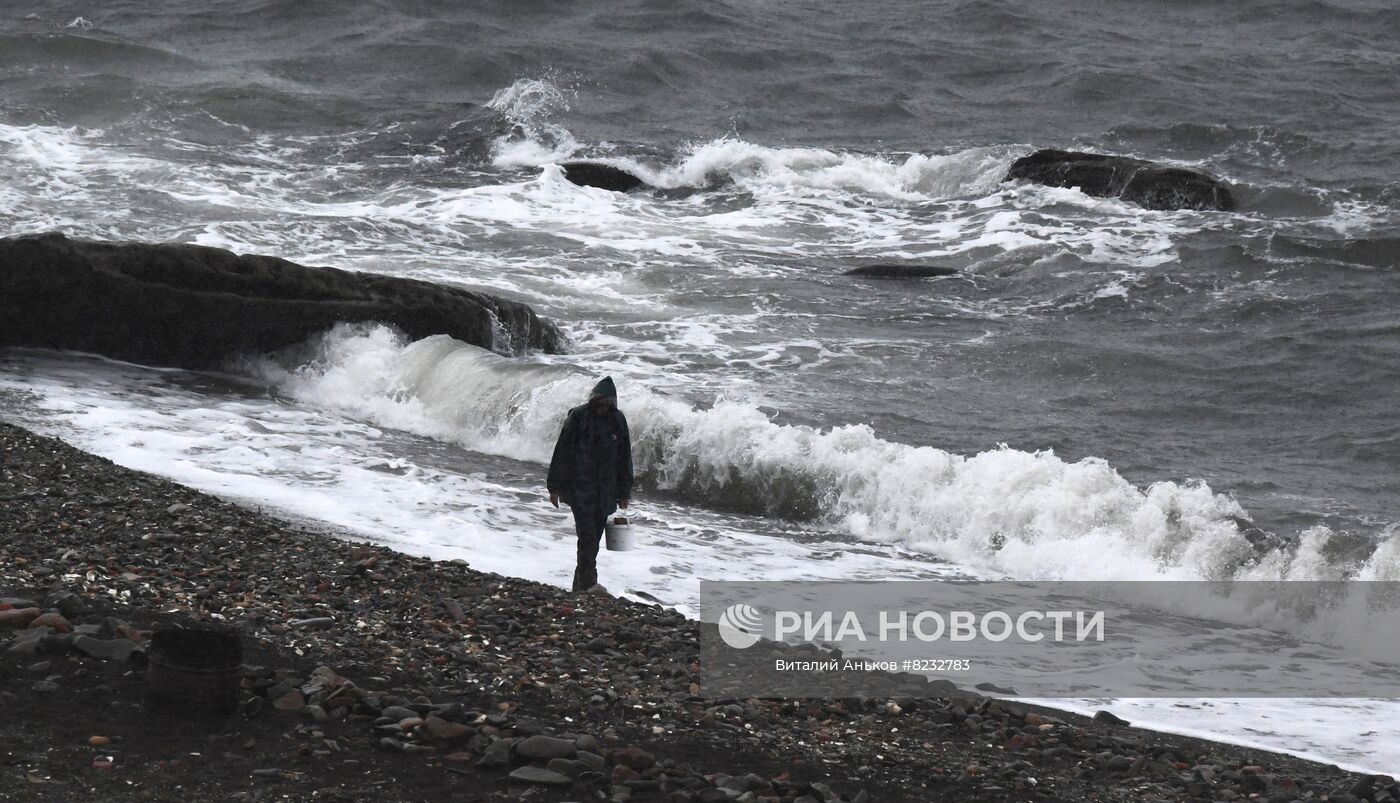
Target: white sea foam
804,205
971,173
315,462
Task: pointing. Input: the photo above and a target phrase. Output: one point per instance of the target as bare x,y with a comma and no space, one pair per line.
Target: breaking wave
971,173
1030,515
529,106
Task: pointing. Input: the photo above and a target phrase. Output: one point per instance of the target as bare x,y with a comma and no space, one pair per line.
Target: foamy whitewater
1101,392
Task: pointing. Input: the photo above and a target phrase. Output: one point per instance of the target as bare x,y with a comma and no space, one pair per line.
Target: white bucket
619,536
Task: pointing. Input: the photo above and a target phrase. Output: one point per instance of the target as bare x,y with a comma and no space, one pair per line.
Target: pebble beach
373,675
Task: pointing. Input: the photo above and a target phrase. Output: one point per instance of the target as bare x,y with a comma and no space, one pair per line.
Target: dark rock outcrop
195,307
1144,183
1265,542
896,271
602,176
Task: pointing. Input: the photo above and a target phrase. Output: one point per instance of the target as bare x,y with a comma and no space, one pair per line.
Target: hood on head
605,389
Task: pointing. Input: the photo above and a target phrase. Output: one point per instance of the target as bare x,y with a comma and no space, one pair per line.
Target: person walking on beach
591,471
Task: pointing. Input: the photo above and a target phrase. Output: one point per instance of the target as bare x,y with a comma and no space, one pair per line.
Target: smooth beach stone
540,775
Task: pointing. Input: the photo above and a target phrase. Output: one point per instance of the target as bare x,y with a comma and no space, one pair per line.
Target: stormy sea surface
1101,392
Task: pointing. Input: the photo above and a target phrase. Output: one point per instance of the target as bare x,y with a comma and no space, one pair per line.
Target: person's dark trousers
589,521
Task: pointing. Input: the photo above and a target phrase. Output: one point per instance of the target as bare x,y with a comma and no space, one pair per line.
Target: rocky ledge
371,675
189,306
1140,182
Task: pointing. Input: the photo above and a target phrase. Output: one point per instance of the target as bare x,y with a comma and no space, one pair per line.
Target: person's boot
579,585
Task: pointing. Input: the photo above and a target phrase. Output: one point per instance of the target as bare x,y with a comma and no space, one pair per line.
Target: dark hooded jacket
592,463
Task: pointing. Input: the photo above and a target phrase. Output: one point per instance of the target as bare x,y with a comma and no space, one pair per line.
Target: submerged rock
897,271
602,176
1144,183
1109,718
190,306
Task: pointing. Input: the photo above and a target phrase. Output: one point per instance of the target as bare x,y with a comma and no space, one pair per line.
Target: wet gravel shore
370,675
